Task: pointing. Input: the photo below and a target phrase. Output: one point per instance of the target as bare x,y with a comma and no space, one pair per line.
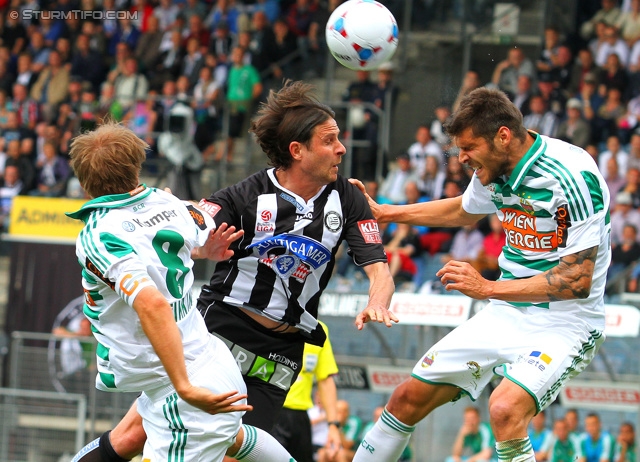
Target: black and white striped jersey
286,256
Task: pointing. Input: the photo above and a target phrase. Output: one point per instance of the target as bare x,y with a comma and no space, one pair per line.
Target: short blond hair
108,159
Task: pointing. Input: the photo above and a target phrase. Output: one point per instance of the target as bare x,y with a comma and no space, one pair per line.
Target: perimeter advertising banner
44,217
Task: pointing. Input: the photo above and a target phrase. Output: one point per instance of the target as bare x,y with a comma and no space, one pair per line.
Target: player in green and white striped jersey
136,251
545,318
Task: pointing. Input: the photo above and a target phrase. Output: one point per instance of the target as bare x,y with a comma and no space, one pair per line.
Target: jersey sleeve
326,361
361,228
202,221
476,199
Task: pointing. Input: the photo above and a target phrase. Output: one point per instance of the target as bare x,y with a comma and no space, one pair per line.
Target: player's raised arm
380,291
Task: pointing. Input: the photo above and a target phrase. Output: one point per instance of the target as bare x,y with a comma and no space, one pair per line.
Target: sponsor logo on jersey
521,231
292,255
197,216
156,219
94,269
304,216
128,226
370,232
292,200
333,221
266,215
562,218
538,359
209,207
428,359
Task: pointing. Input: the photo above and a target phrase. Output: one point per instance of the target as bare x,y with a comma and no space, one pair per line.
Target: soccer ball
362,34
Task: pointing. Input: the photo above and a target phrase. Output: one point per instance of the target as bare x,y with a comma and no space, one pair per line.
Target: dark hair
290,114
485,110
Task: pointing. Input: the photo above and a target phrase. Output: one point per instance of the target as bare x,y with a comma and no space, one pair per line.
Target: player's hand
212,403
375,314
373,205
463,277
217,246
333,444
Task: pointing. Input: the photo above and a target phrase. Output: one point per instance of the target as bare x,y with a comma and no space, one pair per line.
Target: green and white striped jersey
131,241
555,203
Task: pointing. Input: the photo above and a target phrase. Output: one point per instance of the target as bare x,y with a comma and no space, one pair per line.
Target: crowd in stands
62,72
559,441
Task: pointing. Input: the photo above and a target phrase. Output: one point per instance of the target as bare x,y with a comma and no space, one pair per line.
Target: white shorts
538,349
178,431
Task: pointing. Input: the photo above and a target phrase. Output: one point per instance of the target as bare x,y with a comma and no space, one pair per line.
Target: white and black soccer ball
362,34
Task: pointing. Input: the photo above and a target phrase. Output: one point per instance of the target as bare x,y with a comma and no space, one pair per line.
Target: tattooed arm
570,279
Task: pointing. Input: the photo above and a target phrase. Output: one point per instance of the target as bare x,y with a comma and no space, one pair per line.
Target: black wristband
336,423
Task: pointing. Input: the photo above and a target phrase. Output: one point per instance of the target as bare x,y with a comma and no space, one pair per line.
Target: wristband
336,423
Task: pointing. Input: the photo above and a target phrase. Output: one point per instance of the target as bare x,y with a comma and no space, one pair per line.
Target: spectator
615,181
108,106
165,15
506,73
561,71
142,11
63,47
612,44
221,43
402,245
591,99
466,245
117,69
562,448
423,147
126,32
597,445
6,77
634,150
474,442
262,37
605,123
549,55
97,39
244,87
199,32
351,426
632,186
39,52
573,426
13,130
625,253
626,443
192,8
470,82
487,261
539,119
457,173
52,175
554,98
26,169
192,61
392,189
52,30
142,117
87,64
14,34
280,51
10,188
583,67
224,13
206,95
26,108
522,97
131,86
622,215
609,14
613,75
629,23
52,86
24,75
436,129
439,239
169,62
431,182
147,50
540,436
575,129
614,149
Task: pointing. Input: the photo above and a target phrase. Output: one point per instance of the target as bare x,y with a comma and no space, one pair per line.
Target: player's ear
295,149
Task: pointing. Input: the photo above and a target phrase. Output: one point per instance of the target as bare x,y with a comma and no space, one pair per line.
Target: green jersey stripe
573,208
571,183
115,245
108,379
538,265
595,191
102,352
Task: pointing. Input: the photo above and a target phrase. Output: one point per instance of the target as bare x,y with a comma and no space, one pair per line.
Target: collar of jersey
536,149
110,201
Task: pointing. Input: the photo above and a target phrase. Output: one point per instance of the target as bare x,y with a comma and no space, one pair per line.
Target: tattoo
571,278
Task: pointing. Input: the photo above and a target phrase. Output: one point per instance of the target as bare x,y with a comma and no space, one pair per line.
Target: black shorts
236,122
293,432
269,362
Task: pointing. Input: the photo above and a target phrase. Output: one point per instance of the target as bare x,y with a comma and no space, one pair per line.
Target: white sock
385,441
259,446
517,450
